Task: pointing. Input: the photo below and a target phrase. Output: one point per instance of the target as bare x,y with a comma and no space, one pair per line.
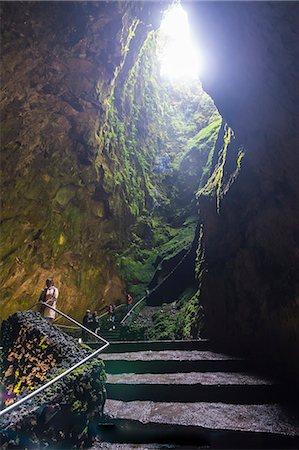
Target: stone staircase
112,335
182,395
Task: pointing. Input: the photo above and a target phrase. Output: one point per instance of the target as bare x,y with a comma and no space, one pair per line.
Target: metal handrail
67,371
132,309
157,287
98,317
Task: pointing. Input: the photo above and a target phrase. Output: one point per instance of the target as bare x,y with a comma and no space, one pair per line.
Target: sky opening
179,58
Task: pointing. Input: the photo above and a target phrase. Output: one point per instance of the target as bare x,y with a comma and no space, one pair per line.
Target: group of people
90,320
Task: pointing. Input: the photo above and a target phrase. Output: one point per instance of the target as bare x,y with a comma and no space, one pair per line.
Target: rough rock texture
205,378
84,156
250,280
33,353
57,65
259,418
166,355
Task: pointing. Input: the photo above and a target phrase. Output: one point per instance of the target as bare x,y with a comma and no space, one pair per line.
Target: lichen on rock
34,352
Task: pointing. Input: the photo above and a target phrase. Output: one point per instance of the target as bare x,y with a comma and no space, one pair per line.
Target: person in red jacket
129,302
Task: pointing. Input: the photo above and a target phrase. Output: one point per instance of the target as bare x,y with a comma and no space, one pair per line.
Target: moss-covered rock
180,319
100,156
34,352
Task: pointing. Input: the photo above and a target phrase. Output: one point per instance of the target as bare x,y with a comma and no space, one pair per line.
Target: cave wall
250,283
52,117
162,137
58,61
87,193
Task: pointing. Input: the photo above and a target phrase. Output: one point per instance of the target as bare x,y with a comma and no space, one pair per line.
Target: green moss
182,239
181,319
205,135
137,272
77,405
64,195
214,184
241,155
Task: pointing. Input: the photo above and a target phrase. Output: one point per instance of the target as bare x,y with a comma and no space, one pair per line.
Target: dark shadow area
173,366
232,394
123,431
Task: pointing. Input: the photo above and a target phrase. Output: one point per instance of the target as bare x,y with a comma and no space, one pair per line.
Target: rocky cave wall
35,351
91,148
250,281
163,138
58,61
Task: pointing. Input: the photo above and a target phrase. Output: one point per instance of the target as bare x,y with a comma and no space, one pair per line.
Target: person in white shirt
49,295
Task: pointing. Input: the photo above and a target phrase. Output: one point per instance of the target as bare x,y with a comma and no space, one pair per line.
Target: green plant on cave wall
155,135
215,182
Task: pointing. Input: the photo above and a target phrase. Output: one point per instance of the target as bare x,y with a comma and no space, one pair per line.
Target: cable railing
76,328
67,371
157,287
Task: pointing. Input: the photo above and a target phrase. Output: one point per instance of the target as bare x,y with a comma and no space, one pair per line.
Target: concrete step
138,346
125,434
212,420
169,361
174,396
110,336
194,386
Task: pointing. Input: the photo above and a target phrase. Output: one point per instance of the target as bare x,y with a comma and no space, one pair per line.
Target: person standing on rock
49,295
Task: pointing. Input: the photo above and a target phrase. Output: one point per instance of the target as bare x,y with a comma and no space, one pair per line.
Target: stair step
180,395
269,419
137,346
134,435
206,378
194,386
172,361
189,393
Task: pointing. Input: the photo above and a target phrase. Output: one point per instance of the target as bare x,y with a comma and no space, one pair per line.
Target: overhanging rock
34,352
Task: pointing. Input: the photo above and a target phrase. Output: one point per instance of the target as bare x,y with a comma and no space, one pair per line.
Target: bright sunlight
178,57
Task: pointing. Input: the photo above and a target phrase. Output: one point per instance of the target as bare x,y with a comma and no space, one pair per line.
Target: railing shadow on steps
67,371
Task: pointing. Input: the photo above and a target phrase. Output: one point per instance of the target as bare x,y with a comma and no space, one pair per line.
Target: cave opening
179,58
167,127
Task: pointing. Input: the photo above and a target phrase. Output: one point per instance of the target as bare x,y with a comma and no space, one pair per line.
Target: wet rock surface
212,378
173,355
259,418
